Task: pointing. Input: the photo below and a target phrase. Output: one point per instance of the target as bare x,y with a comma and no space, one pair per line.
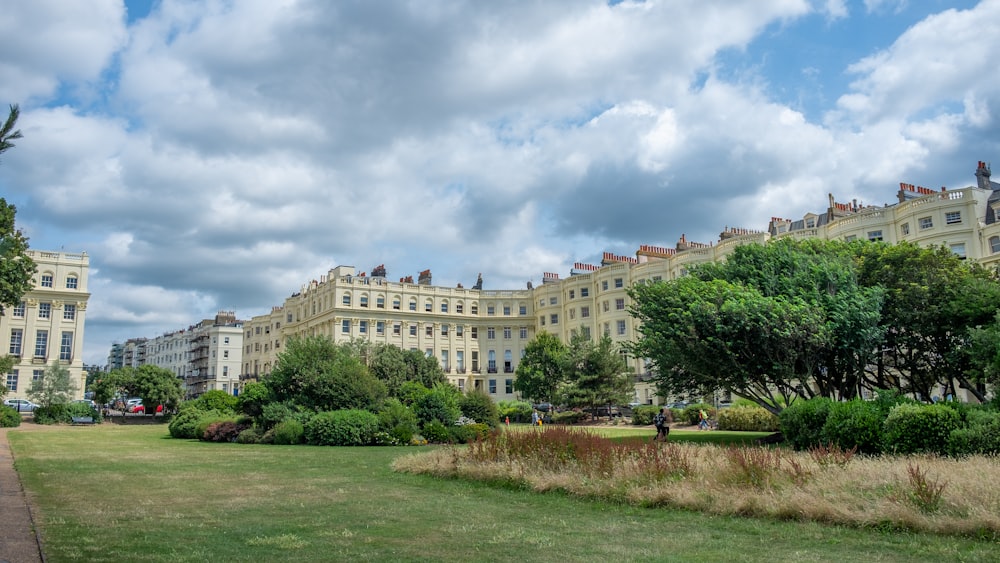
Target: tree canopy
54,387
596,373
540,371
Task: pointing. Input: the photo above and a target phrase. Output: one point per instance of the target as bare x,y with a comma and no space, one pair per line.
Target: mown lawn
129,493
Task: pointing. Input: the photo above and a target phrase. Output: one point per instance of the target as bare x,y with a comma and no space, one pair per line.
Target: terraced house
47,325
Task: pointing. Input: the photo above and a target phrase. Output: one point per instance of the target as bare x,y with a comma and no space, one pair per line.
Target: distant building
47,325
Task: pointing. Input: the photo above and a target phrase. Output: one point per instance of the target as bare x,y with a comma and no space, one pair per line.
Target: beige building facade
47,325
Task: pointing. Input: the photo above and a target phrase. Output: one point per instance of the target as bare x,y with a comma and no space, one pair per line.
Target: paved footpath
18,540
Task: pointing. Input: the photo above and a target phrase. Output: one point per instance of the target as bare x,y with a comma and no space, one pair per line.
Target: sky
217,155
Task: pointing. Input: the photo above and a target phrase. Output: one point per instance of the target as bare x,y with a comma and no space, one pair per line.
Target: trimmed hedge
981,436
347,427
748,419
854,423
915,428
287,433
436,433
642,415
186,424
802,422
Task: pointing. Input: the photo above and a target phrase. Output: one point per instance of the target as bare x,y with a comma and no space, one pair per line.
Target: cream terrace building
48,324
479,335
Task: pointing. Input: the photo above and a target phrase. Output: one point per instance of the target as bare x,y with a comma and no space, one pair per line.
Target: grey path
18,541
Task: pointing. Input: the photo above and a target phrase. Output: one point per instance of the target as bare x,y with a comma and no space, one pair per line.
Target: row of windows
492,386
41,344
924,223
47,279
491,310
397,330
45,311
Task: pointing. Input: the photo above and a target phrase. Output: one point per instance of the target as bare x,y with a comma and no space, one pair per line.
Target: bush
478,406
288,432
982,436
273,413
185,424
802,422
436,433
223,431
82,410
348,427
643,414
52,414
466,433
517,411
570,417
398,420
913,428
202,426
690,413
216,400
9,417
441,404
748,419
251,435
854,423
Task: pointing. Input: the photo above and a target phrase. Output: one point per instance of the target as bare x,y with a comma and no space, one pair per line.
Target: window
553,301
429,330
363,327
875,236
460,361
12,380
444,307
444,330
16,339
621,328
810,223
380,327
522,310
523,332
554,319
493,387
606,305
491,310
572,314
491,366
952,217
428,307
585,330
508,362
364,300
619,283
620,304
444,360
71,282
397,329
508,386
604,285
475,332
44,310
607,329
926,223
46,280
491,333
69,312
995,244
474,309
18,310
584,292
541,302
904,229
572,294
506,310
459,308
541,320
346,301
37,374
459,330
413,304
958,249
225,340
345,326
413,330
395,303
850,238
41,343
429,352
475,361
584,312
380,302
461,383
225,353
507,332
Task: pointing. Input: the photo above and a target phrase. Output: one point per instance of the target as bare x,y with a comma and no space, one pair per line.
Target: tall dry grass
923,493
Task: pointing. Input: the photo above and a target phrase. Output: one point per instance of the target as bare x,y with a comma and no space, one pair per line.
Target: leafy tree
395,367
113,385
253,398
540,372
16,267
317,374
596,373
217,400
157,386
479,406
440,404
54,387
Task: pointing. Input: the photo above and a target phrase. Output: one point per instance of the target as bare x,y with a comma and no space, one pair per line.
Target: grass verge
129,493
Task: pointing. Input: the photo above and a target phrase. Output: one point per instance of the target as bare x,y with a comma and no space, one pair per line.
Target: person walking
534,418
702,419
662,424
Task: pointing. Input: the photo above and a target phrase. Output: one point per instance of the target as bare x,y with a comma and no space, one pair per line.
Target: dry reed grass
921,493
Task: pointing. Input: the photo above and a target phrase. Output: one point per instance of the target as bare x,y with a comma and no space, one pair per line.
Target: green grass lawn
128,493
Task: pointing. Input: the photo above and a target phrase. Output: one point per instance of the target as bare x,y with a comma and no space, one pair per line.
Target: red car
140,409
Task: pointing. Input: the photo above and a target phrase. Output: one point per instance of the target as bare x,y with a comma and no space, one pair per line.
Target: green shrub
398,420
203,424
288,432
570,417
748,419
854,423
216,400
982,436
9,417
273,413
478,406
52,414
802,422
915,428
690,413
436,433
346,427
643,414
251,435
886,399
185,424
224,431
517,411
466,433
441,404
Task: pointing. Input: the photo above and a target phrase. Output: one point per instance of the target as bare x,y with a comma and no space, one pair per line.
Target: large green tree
596,373
394,366
316,373
157,386
540,371
54,387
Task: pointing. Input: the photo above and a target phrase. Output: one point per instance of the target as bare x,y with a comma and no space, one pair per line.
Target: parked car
605,411
543,407
140,409
20,405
